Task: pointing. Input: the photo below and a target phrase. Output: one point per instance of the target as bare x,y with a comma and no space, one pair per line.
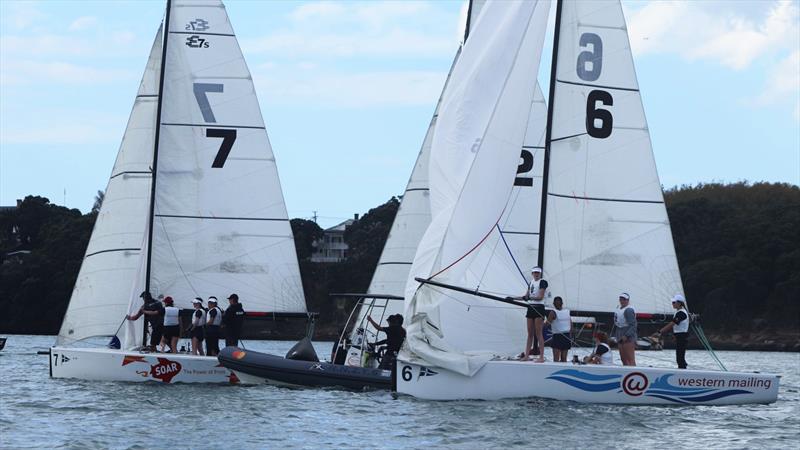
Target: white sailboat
193,208
413,217
605,225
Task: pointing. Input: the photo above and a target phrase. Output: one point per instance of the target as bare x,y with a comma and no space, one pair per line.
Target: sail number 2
599,122
228,135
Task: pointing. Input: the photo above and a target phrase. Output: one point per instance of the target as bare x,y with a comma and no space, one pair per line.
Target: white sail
220,224
520,224
100,298
606,229
473,164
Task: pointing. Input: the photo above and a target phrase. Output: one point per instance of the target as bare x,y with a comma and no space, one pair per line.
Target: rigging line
598,86
470,251
112,250
524,278
601,199
175,255
212,125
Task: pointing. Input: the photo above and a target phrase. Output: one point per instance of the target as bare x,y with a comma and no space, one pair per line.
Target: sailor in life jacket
172,324
602,354
198,323
680,328
212,330
535,315
625,330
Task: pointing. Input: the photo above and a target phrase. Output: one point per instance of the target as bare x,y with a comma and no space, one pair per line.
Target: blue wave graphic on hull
586,386
660,388
585,375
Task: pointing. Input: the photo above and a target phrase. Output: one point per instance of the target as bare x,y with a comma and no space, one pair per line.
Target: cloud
44,45
32,72
335,89
379,29
783,84
83,23
703,30
22,15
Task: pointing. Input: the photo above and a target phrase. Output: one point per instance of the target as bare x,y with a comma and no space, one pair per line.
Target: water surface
37,411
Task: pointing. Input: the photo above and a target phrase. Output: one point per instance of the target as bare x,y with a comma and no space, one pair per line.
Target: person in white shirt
602,353
198,323
680,328
561,324
536,314
172,324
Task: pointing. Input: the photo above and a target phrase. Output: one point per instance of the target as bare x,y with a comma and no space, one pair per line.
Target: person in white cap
198,322
536,313
680,328
625,331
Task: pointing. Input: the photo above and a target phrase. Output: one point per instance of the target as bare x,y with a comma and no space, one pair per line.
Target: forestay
474,159
100,298
220,223
606,228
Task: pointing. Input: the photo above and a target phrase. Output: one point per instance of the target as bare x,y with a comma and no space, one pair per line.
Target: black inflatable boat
252,367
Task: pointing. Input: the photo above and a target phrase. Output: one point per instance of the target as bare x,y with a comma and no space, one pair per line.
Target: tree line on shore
738,248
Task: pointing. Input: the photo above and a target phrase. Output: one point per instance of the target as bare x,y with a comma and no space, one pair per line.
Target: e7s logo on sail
197,25
195,41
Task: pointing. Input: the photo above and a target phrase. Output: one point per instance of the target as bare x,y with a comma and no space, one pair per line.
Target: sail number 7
228,138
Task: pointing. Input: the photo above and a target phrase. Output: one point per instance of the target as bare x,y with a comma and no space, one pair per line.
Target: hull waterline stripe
178,216
202,33
132,172
113,250
212,125
598,86
621,200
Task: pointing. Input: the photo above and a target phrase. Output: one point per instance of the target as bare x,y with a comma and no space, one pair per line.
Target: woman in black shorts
562,330
198,321
536,313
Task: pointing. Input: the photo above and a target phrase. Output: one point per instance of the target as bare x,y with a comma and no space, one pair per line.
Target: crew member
625,322
602,353
212,328
153,312
172,324
233,320
680,328
198,322
536,313
395,335
561,323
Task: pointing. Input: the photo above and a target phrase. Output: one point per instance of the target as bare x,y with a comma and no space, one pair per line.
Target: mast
548,133
155,149
151,217
469,15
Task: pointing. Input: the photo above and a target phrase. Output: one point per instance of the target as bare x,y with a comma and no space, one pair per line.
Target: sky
347,90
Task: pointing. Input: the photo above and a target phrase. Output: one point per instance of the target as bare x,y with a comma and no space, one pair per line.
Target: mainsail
100,297
520,224
473,165
606,228
219,221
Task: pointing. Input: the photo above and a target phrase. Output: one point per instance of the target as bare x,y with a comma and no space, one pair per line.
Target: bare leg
631,352
173,344
529,341
556,354
538,325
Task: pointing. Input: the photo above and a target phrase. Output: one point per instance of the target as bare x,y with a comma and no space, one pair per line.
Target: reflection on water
38,411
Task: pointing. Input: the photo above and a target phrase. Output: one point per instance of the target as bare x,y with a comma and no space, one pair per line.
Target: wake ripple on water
36,411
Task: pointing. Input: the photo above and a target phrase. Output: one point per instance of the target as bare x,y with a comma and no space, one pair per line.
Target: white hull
105,364
588,384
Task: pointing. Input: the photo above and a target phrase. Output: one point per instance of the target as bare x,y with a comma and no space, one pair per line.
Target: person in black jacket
395,335
233,320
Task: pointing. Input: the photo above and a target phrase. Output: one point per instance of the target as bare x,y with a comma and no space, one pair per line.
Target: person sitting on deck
602,353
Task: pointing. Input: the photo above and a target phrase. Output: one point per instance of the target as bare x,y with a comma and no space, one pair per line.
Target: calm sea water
36,411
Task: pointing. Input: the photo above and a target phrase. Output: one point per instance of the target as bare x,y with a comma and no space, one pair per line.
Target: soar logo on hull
165,370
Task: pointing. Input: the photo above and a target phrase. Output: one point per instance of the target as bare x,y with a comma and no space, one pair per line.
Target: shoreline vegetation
738,248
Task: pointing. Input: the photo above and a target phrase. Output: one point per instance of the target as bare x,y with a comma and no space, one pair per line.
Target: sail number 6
594,114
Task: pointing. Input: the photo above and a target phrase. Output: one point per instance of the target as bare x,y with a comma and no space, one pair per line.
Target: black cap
233,296
395,318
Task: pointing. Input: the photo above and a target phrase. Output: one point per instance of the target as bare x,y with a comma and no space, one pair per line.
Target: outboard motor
303,351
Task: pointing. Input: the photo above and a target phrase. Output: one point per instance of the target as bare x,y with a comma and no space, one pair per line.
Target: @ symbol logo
635,383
